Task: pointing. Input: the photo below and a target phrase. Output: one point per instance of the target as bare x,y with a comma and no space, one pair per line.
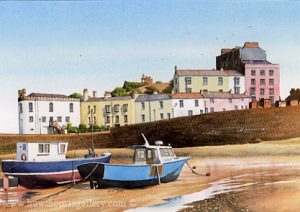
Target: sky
63,47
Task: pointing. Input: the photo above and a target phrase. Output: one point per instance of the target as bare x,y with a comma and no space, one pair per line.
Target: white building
187,104
38,112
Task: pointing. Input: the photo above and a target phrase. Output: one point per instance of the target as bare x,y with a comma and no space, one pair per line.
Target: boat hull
48,173
131,176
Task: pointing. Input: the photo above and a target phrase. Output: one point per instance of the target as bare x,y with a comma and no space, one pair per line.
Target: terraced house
191,81
107,111
152,107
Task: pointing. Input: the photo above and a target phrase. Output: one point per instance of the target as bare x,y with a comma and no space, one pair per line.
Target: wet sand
253,182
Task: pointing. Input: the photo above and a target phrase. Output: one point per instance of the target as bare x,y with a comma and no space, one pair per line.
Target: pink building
223,101
262,78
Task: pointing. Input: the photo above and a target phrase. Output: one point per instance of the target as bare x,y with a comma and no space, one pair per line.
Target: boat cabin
153,154
41,151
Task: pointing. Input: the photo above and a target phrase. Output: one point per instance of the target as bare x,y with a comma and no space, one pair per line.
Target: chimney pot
94,94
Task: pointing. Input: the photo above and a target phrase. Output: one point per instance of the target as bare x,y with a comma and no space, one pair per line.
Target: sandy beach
250,177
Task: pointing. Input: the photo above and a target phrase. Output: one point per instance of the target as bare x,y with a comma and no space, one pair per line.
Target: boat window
62,149
149,154
140,154
44,148
155,153
171,153
24,147
162,153
167,154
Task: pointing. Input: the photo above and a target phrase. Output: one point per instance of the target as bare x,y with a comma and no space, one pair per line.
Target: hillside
230,127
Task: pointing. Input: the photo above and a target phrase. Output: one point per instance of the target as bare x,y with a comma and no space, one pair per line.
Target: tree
76,95
128,86
119,92
169,89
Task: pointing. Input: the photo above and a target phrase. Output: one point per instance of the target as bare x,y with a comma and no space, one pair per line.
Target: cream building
107,111
153,107
190,81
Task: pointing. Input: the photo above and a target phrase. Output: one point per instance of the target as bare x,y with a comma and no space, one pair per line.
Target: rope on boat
91,172
196,173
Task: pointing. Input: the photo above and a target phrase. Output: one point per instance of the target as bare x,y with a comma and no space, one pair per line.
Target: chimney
107,94
85,95
94,94
251,45
22,93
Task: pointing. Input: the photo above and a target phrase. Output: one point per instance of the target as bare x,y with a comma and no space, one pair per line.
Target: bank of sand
272,168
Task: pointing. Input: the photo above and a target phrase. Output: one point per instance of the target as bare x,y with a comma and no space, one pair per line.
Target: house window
252,91
224,109
271,98
236,81
71,108
271,72
161,116
220,81
125,119
205,90
20,108
44,119
169,115
229,100
125,108
262,72
212,110
51,119
62,149
30,118
188,90
89,109
220,90
143,118
190,112
236,107
271,81
116,108
205,81
212,101
59,119
253,72
30,107
95,121
107,108
201,111
107,119
95,109
188,81
44,148
50,107
89,120
181,103
271,91
161,104
196,103
262,91
143,105
206,110
237,90
117,120
262,81
67,119
252,81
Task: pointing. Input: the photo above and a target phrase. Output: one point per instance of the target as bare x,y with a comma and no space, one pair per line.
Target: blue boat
42,164
153,164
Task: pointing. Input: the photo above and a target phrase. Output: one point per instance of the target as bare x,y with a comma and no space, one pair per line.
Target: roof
207,72
223,95
102,99
187,96
158,86
252,54
256,62
153,97
47,95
